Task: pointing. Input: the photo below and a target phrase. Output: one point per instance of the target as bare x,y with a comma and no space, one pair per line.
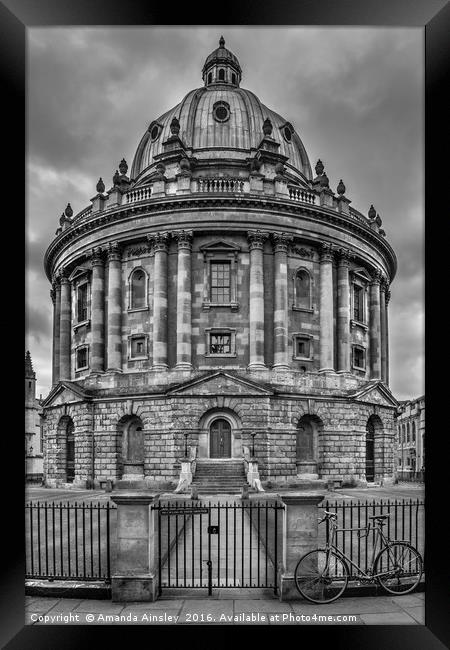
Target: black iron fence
69,541
406,522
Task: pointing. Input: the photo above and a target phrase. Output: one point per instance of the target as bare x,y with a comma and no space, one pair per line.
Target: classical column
375,326
326,346
98,311
383,289
386,330
55,294
160,243
256,240
280,312
65,324
114,341
184,300
343,312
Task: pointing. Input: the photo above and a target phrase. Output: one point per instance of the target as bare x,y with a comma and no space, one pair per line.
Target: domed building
220,302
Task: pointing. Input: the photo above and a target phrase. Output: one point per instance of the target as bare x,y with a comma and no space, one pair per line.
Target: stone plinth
135,570
300,531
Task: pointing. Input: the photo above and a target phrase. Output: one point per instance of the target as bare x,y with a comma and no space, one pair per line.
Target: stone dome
234,133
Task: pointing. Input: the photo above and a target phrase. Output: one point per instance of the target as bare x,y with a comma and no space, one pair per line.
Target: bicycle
322,575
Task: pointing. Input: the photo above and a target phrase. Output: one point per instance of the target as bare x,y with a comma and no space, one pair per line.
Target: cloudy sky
355,96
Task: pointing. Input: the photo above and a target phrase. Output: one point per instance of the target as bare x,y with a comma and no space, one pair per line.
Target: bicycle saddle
379,517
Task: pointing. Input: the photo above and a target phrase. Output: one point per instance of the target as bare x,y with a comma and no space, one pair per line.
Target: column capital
184,239
63,276
53,295
159,241
281,241
388,296
114,252
96,256
326,252
384,286
256,239
343,256
376,276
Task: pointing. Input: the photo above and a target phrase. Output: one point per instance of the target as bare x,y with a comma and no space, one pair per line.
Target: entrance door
220,439
370,452
70,453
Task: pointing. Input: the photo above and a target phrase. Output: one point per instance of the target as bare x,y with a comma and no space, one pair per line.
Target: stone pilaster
375,326
65,324
326,346
386,332
280,313
97,361
343,312
256,239
184,300
55,294
160,244
114,340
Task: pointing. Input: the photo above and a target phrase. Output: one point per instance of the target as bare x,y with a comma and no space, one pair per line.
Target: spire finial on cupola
29,372
221,42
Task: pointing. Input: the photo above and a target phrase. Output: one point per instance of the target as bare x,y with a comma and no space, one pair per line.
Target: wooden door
220,439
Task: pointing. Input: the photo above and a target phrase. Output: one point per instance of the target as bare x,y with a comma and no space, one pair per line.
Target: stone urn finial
340,188
185,164
324,182
267,127
100,186
319,167
372,212
123,167
68,211
221,42
175,126
160,168
279,169
116,178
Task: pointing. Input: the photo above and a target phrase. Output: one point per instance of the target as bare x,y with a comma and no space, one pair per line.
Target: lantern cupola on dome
222,67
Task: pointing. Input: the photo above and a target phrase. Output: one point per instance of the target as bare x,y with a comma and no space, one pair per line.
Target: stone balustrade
234,185
297,194
140,194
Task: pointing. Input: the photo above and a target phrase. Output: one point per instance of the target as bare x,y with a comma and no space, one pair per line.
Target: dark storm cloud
353,94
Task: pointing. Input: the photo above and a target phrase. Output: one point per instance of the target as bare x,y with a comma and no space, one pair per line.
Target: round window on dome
287,133
154,132
221,112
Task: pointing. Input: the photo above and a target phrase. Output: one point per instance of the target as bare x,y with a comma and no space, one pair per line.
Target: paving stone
261,606
364,605
388,618
418,613
42,604
98,606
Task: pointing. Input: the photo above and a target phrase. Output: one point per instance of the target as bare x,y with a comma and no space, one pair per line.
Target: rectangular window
220,343
220,282
359,358
138,347
302,347
82,358
358,303
82,304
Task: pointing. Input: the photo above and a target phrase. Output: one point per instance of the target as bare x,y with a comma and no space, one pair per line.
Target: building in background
220,299
33,427
411,439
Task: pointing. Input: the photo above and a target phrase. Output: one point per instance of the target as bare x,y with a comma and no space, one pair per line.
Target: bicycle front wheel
398,568
321,576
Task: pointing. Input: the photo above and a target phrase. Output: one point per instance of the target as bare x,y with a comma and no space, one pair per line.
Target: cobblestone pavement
227,607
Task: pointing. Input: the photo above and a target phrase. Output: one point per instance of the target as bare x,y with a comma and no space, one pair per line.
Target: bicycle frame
385,542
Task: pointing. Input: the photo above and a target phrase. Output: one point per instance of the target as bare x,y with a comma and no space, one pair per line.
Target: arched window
408,434
413,432
305,441
370,451
233,78
222,75
138,289
302,289
209,77
307,446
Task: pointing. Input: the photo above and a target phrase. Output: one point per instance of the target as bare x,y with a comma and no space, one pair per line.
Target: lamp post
186,434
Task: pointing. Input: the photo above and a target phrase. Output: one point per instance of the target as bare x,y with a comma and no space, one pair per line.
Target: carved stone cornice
326,252
63,276
184,239
281,242
384,284
114,252
295,249
159,241
256,239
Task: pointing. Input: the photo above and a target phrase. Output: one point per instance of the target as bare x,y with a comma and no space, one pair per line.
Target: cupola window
210,77
233,78
155,131
222,75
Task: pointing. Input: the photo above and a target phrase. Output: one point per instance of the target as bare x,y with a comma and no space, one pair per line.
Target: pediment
220,383
362,274
220,245
78,272
63,393
375,393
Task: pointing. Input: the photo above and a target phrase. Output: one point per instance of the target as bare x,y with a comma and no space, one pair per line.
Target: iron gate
204,544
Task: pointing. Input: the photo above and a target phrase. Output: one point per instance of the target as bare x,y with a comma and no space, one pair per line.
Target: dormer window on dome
222,67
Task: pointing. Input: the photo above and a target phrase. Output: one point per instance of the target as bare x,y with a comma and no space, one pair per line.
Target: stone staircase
224,476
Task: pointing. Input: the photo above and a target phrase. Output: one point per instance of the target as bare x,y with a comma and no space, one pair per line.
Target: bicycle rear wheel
321,576
400,566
